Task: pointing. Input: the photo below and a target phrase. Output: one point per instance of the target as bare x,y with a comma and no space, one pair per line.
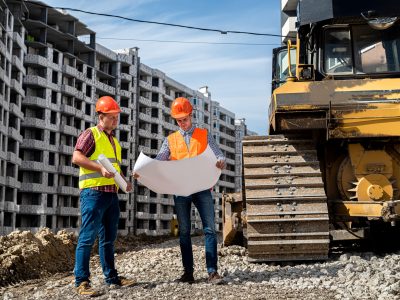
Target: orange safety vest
179,149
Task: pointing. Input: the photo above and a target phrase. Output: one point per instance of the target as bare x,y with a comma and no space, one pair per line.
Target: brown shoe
214,278
123,282
85,289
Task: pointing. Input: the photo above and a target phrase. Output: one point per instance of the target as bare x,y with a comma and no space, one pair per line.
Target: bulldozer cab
356,39
280,65
359,50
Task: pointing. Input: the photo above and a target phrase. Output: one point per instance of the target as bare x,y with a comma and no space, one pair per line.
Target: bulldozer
329,168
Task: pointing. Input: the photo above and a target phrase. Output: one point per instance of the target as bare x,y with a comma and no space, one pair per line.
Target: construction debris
24,255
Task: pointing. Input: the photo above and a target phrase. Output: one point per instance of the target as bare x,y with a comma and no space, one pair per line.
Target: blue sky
238,76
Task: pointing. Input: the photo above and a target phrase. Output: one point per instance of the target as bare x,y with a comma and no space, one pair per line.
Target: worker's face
185,123
109,121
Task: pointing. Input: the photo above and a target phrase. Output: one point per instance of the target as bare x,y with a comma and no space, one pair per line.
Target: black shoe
186,277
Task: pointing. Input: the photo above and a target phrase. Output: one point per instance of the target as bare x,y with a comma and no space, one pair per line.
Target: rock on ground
156,266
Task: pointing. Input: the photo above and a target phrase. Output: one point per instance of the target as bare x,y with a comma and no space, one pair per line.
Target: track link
286,205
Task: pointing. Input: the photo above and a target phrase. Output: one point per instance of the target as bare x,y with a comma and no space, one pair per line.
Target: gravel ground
345,276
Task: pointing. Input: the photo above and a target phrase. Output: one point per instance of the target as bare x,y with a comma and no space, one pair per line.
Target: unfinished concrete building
57,107
52,71
12,73
66,71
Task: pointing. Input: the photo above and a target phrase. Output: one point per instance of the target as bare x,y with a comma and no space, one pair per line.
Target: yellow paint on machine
358,209
355,108
390,88
376,119
369,209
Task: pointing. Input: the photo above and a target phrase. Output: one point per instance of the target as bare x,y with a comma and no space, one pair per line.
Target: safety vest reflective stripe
112,160
90,176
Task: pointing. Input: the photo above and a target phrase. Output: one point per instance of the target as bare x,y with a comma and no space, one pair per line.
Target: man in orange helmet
190,141
98,198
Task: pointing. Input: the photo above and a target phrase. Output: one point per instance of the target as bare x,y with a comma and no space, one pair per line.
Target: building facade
12,73
52,71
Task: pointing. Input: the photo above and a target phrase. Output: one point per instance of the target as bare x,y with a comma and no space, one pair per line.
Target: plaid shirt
86,145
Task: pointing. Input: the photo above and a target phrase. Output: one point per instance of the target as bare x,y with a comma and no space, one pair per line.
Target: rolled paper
103,160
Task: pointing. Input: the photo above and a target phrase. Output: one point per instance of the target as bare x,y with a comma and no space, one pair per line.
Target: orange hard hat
181,108
107,105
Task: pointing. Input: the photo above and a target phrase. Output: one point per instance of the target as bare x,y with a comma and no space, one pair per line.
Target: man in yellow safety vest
98,198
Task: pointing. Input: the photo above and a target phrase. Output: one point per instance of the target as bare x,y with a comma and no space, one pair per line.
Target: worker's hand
135,175
129,187
106,174
220,164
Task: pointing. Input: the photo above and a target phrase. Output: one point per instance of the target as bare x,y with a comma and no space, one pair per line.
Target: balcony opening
152,225
124,154
154,128
54,77
125,69
124,119
88,91
12,146
74,202
139,224
141,207
165,225
88,109
122,206
50,200
50,179
9,194
123,136
122,224
125,86
53,97
27,221
49,221
8,218
52,138
154,144
55,57
124,102
29,198
155,82
153,208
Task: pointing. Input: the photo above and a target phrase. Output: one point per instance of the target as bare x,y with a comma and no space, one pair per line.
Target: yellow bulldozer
330,166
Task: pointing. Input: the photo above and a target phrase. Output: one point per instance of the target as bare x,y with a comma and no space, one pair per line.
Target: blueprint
178,177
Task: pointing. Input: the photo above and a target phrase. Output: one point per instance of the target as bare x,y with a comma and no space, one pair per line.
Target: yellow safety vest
89,178
179,149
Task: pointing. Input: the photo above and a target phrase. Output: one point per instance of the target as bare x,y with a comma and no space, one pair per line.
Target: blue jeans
205,206
100,216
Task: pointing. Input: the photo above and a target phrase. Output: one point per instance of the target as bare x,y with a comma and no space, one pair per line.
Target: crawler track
287,214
